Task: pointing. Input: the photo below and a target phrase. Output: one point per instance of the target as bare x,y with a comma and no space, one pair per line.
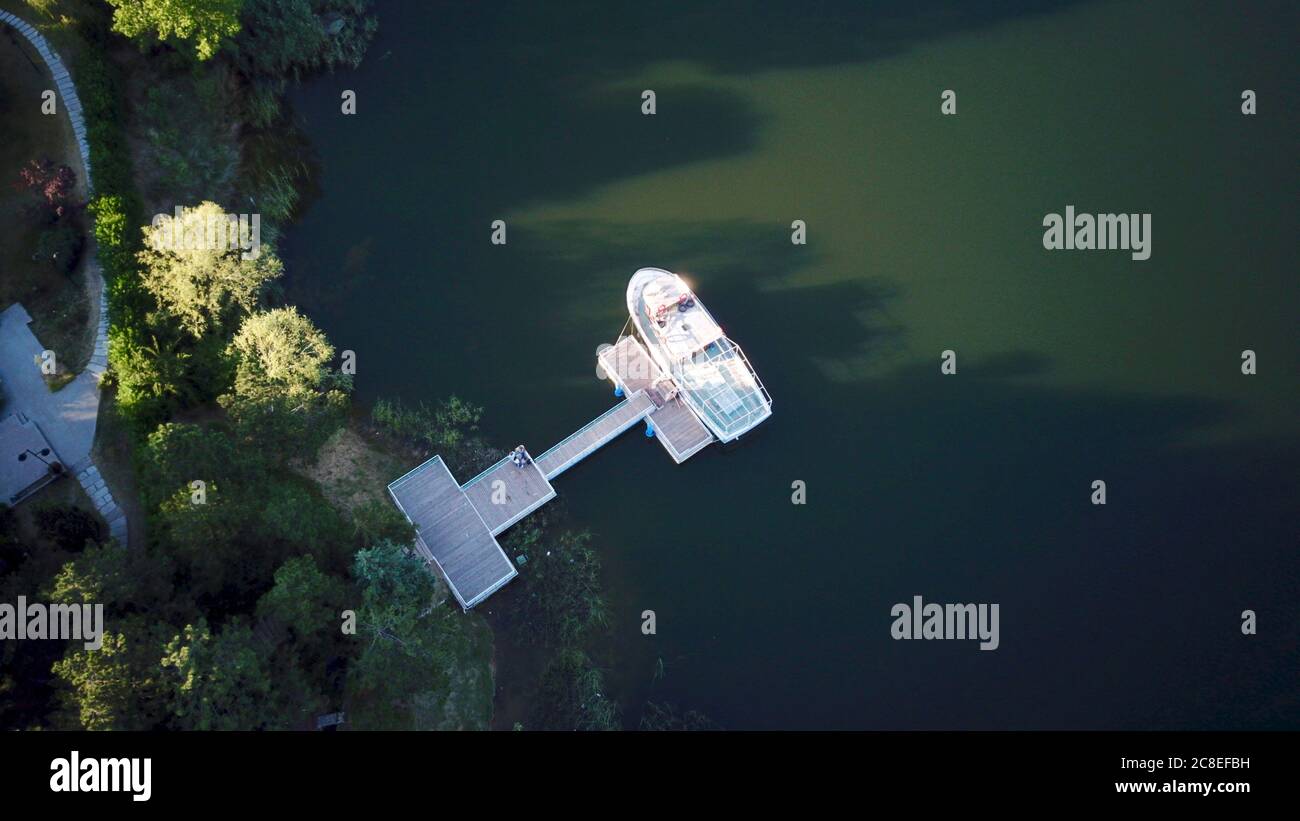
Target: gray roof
22,449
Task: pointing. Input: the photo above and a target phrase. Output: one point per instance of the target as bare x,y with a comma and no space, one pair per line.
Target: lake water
924,234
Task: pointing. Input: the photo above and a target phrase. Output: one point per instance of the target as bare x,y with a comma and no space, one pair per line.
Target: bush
116,208
110,228
188,138
284,40
444,426
150,375
51,186
59,247
563,605
67,526
570,696
376,521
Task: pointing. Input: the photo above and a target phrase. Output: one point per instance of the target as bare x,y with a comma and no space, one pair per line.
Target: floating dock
457,525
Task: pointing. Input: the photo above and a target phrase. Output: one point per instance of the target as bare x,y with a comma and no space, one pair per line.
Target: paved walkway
67,417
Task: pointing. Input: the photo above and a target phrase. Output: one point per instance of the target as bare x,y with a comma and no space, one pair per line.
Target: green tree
286,400
229,545
176,454
300,521
398,592
102,684
309,603
410,642
114,687
201,281
124,581
280,352
205,540
200,25
221,682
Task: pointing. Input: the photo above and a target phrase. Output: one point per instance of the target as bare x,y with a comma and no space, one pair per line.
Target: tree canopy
197,25
279,352
286,401
220,682
286,39
410,641
196,274
116,687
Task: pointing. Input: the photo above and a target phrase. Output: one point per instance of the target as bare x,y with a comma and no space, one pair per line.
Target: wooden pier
457,525
590,437
451,533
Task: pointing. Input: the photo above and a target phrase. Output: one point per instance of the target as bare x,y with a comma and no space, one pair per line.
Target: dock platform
457,525
505,493
451,533
629,366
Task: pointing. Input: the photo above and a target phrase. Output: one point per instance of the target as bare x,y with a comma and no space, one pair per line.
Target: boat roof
683,332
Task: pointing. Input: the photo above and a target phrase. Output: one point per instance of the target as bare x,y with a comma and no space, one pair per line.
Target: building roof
25,456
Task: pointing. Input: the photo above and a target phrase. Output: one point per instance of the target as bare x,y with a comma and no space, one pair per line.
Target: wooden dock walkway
457,525
590,437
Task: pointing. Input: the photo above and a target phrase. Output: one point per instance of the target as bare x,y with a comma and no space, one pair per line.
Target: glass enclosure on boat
722,388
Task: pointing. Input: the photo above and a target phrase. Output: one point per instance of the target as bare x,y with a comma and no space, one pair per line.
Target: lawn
58,303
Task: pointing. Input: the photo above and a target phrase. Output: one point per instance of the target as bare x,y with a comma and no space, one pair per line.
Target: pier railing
638,397
486,471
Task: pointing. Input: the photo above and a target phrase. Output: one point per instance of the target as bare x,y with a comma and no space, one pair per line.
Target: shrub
59,247
67,526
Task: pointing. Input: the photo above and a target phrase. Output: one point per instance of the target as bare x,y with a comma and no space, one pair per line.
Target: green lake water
924,234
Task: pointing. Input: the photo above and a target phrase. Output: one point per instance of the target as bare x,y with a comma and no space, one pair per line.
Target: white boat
711,373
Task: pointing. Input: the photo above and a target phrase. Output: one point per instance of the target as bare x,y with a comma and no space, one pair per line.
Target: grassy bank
264,512
57,301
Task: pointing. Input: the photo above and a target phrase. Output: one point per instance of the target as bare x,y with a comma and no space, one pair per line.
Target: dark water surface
924,234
